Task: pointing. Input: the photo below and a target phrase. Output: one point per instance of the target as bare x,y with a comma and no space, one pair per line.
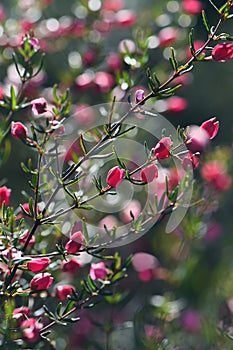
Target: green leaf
172,59
81,142
91,283
191,42
13,98
205,21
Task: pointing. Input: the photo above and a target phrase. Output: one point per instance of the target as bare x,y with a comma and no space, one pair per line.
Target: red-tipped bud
18,130
115,176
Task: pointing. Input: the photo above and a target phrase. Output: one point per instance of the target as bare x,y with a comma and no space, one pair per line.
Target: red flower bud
211,126
223,52
139,95
198,139
21,313
38,264
71,266
62,292
18,130
39,106
115,176
41,281
75,243
4,195
149,173
162,149
98,270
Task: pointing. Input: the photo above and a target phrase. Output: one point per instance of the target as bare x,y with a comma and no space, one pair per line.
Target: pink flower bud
211,126
18,130
167,36
41,281
38,264
71,266
62,292
115,176
31,329
75,243
176,104
190,159
215,174
98,270
125,18
223,52
39,106
139,95
113,5
162,149
193,7
149,173
114,62
103,81
4,195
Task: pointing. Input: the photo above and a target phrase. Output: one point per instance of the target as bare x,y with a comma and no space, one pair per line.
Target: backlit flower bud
62,292
211,126
98,270
4,195
75,243
162,149
139,95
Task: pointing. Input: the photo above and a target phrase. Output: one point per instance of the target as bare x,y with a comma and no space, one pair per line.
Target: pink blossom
113,5
31,329
167,36
176,104
191,321
84,81
18,130
39,105
75,243
115,176
193,7
41,281
125,18
211,126
114,62
4,195
71,266
215,174
162,149
89,57
144,261
127,45
103,81
149,173
223,52
38,264
146,275
62,292
98,271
